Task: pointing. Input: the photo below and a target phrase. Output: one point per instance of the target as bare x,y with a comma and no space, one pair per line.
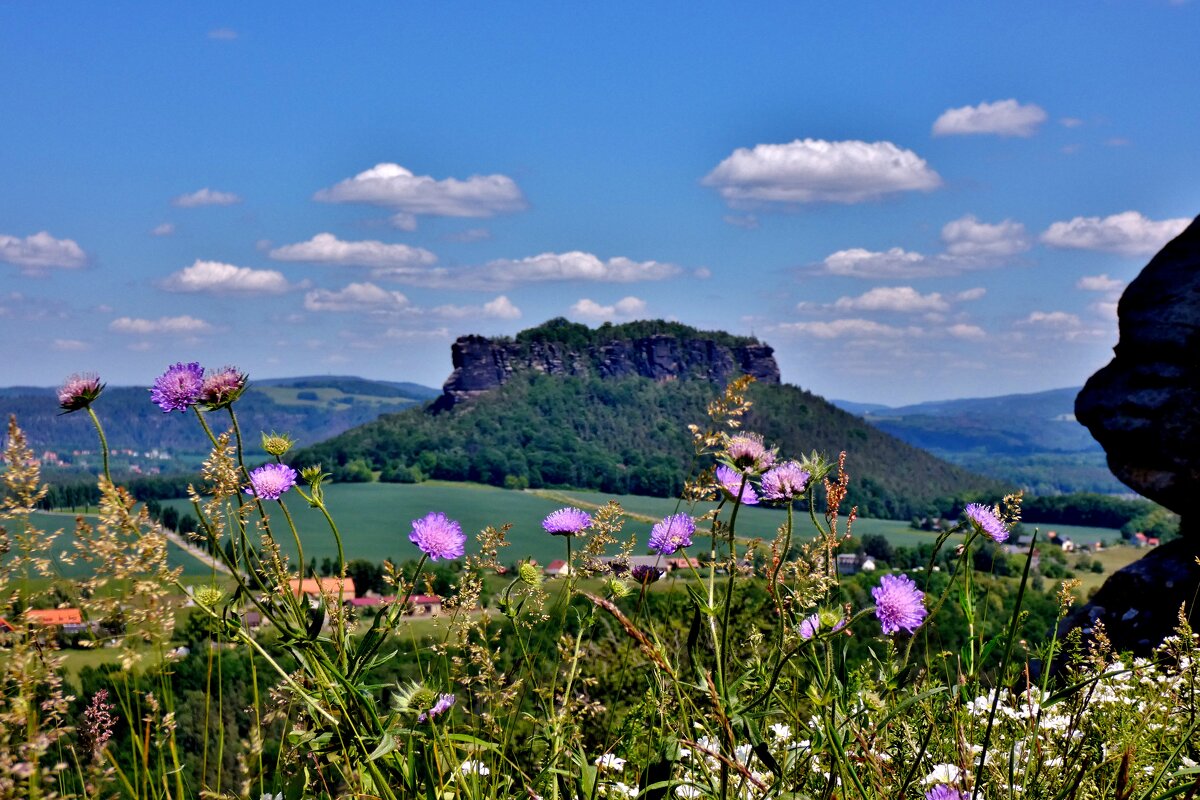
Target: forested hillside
626,436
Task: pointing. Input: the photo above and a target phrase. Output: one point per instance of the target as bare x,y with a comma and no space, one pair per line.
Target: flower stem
103,442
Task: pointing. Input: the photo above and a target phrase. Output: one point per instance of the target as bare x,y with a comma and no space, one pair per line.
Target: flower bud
530,575
277,444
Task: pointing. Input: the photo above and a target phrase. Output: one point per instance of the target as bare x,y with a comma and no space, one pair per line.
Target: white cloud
219,278
403,220
325,248
418,334
967,237
41,251
903,299
355,297
223,34
1106,309
206,197
746,221
1051,319
394,186
575,266
470,235
1099,283
965,331
626,307
890,264
814,170
1003,118
499,308
1070,122
179,326
1128,233
71,345
848,329
165,229
970,294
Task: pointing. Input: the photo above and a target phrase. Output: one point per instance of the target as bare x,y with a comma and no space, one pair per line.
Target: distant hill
1032,440
309,408
620,430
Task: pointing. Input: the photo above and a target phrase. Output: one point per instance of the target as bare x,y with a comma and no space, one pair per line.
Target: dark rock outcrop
1144,409
482,364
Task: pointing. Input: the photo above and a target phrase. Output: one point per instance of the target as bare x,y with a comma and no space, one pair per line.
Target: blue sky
909,202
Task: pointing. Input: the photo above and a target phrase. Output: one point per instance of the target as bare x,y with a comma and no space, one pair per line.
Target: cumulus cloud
625,308
889,264
1099,283
206,197
393,186
849,329
40,252
1002,118
575,266
355,297
499,308
165,229
746,221
970,294
965,331
170,326
1051,319
325,248
470,235
816,171
71,345
1128,233
967,237
904,299
1070,122
218,278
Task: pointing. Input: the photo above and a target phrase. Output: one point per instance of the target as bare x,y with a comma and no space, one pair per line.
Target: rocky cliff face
482,364
1144,409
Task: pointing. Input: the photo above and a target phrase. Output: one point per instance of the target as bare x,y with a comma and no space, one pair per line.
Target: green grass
376,518
65,542
327,397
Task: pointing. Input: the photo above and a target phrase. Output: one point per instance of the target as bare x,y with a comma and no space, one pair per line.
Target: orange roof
55,616
327,586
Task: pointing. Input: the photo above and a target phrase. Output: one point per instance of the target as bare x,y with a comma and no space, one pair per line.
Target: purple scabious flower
986,520
78,391
441,706
899,604
567,522
644,573
731,481
179,388
222,387
785,482
673,533
944,792
748,453
270,481
438,537
809,626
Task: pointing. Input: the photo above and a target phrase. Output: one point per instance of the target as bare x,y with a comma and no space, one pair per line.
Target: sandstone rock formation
1144,409
482,364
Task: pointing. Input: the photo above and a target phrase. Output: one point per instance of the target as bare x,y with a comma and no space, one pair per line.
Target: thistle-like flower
673,533
731,482
785,482
438,537
179,388
748,453
985,519
443,704
644,574
899,604
270,481
222,387
78,391
277,444
567,522
809,626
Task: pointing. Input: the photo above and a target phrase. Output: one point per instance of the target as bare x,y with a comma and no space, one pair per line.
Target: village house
314,588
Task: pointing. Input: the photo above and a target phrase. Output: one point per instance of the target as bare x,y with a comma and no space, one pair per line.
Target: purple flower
179,387
944,792
567,522
441,706
748,453
270,481
899,604
986,520
438,537
731,481
79,391
673,533
222,387
644,573
809,626
785,482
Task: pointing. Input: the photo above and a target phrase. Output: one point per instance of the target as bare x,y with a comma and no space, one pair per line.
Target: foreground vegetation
762,671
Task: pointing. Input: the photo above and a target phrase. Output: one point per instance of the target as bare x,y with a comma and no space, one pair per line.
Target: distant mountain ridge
1030,439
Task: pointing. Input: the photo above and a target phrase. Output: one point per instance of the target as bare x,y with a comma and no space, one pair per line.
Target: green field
52,521
376,518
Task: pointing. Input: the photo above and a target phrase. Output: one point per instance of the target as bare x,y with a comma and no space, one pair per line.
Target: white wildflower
610,762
